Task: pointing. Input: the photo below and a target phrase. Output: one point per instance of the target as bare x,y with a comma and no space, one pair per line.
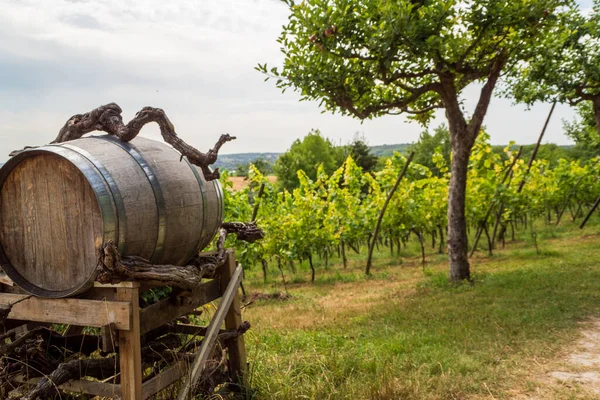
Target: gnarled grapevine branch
107,118
113,268
246,231
99,368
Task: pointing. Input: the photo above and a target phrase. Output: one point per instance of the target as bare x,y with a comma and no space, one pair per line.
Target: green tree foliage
566,69
429,144
334,213
259,163
361,154
584,132
306,155
370,58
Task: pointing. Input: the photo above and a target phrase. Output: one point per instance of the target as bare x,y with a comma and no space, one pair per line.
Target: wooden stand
115,308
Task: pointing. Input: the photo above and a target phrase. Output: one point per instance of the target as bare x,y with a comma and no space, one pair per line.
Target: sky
195,59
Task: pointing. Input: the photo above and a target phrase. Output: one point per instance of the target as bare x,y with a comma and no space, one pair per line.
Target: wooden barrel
59,203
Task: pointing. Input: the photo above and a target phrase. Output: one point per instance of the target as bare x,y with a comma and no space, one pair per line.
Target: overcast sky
196,60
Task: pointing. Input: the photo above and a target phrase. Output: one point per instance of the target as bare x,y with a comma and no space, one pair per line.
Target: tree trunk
344,259
312,269
512,231
282,274
422,243
578,212
457,225
265,266
489,240
462,139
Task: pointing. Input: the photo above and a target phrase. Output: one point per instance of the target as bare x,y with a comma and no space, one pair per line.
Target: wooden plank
99,293
81,312
165,311
130,349
164,379
94,388
110,337
212,332
236,347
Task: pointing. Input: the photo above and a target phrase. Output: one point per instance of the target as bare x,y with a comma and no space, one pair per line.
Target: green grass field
405,333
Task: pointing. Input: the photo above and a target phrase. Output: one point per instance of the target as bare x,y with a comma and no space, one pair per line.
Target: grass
406,333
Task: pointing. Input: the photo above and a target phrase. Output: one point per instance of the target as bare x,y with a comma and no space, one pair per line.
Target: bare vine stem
107,118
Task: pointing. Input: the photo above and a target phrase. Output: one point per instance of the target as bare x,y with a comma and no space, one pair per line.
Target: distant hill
386,150
229,161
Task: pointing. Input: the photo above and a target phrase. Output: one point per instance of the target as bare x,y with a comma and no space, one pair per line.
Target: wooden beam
99,293
236,347
110,336
164,379
80,312
130,348
165,311
208,343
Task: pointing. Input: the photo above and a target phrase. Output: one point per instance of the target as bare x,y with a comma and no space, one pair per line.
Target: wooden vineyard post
233,320
130,351
382,213
210,338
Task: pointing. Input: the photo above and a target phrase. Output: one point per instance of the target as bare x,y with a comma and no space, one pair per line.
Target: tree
361,154
567,69
370,58
427,145
584,132
307,155
262,165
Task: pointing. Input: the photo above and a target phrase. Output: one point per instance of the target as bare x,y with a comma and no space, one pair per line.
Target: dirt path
579,368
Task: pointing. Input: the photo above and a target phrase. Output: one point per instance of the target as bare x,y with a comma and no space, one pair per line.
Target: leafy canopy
565,69
583,130
360,152
260,163
372,57
306,155
429,144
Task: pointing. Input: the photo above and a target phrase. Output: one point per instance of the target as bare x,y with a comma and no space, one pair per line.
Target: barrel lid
47,247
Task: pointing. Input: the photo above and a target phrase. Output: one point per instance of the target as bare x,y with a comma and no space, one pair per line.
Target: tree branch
248,232
346,103
485,96
407,75
99,368
418,112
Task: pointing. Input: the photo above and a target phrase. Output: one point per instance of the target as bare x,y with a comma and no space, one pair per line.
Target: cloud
196,60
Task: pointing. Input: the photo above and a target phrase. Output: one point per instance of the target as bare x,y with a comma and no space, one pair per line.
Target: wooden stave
111,230
104,201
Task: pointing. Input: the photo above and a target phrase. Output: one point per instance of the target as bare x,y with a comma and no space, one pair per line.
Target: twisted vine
107,118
